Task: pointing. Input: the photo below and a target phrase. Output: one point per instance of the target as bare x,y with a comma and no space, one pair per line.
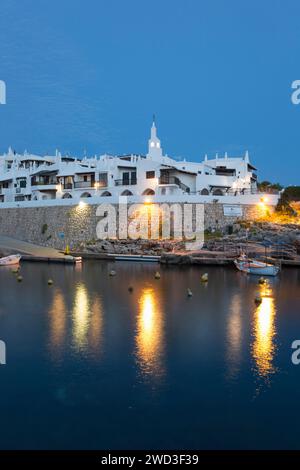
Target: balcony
249,191
44,183
84,184
68,186
125,182
6,190
170,180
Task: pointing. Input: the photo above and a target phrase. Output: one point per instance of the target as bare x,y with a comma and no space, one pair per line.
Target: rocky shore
257,238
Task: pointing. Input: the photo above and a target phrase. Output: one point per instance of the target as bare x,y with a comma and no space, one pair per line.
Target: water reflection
149,338
234,336
87,319
264,332
58,320
96,328
81,316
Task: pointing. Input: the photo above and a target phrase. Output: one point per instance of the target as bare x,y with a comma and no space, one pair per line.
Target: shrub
289,195
44,229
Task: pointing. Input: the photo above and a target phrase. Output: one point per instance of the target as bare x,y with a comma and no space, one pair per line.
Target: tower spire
154,146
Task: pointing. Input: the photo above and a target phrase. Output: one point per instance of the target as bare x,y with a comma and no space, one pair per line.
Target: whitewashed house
32,178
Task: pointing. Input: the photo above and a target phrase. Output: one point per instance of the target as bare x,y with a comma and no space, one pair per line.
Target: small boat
251,266
10,260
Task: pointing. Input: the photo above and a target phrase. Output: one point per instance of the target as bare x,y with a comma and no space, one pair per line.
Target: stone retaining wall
57,226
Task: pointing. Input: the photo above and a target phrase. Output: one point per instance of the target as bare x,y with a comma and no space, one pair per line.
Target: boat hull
147,258
10,260
259,269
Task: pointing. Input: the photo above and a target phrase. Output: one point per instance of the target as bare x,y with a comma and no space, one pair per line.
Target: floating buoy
130,289
112,273
262,280
50,282
204,277
157,275
258,300
19,278
189,293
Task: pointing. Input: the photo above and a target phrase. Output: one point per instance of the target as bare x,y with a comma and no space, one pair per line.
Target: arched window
67,196
148,192
84,195
218,192
205,192
126,193
105,194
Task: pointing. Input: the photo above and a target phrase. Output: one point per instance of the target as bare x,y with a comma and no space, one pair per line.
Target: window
85,178
125,178
133,177
150,174
102,180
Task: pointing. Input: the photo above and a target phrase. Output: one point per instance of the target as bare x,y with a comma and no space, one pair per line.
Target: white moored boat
10,260
251,266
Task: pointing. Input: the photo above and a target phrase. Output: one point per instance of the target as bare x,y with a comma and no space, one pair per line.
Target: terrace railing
84,184
125,182
44,183
68,186
166,179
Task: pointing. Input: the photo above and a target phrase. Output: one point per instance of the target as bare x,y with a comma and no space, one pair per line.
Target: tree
266,186
290,194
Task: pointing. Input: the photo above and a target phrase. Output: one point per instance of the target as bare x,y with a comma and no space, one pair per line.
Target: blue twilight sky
87,75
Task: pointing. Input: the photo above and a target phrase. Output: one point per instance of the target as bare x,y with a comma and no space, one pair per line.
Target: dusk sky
87,76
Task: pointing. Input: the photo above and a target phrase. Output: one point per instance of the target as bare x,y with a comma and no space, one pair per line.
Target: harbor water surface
91,365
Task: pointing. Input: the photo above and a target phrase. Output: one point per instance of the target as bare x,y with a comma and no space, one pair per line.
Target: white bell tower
154,145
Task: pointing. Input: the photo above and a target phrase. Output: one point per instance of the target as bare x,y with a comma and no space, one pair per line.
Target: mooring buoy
189,292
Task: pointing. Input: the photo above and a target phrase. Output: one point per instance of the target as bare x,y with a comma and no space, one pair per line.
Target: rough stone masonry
56,226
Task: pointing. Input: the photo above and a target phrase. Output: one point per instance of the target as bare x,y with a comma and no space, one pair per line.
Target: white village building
30,177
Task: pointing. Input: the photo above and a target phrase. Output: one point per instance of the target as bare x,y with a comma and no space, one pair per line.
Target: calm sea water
92,366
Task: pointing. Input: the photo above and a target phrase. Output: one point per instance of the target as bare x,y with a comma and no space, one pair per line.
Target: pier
33,252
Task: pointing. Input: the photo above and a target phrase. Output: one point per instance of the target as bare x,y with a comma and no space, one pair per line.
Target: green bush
265,186
44,229
290,194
